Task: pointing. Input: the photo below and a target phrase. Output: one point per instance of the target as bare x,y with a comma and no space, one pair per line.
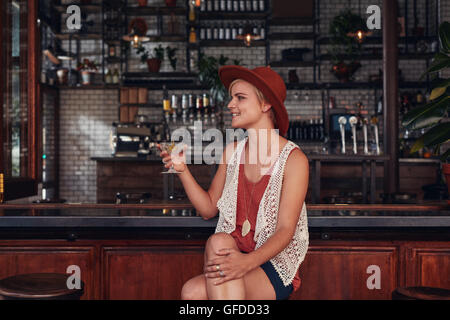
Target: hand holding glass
168,147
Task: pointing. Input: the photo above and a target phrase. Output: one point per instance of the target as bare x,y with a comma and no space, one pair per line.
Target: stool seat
39,286
421,293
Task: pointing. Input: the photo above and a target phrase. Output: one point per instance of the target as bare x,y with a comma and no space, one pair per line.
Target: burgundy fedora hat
268,82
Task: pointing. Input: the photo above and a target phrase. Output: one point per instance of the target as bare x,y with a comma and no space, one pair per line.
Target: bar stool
420,293
38,286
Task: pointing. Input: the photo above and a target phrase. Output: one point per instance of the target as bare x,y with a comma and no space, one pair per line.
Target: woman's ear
265,107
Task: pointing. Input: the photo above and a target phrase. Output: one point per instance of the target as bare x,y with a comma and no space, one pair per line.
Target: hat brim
228,74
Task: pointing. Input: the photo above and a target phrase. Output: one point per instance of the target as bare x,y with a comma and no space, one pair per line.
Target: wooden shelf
379,40
292,36
85,8
81,36
227,43
288,64
401,56
90,87
154,11
291,21
232,15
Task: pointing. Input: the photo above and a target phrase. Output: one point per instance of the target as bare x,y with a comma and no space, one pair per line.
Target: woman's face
244,106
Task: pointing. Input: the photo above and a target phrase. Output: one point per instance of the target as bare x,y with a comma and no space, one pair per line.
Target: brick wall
87,115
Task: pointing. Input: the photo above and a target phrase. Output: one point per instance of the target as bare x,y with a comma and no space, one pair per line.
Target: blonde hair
261,99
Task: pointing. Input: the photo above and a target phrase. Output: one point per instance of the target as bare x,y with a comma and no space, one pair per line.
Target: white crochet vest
287,262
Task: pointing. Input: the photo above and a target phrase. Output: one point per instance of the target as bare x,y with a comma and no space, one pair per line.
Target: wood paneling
157,269
18,259
430,266
149,272
341,272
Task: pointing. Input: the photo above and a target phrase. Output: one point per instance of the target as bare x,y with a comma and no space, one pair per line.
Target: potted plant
171,52
208,74
433,116
153,61
345,47
87,67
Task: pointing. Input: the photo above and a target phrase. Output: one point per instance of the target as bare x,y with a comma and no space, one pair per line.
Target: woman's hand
232,265
177,158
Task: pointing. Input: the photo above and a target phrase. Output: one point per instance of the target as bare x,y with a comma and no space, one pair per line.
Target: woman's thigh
258,286
195,289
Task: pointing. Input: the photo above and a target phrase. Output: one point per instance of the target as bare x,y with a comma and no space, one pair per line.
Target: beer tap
374,123
353,122
365,122
342,122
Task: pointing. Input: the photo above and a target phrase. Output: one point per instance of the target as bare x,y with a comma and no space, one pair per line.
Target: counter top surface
175,214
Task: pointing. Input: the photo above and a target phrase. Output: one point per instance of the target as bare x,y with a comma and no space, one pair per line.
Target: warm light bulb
248,39
359,35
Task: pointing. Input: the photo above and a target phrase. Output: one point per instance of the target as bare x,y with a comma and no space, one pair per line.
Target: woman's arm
293,193
205,202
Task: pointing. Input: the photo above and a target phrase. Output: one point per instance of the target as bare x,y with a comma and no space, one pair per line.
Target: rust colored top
247,244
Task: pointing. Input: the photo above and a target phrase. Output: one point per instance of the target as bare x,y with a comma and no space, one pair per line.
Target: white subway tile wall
87,115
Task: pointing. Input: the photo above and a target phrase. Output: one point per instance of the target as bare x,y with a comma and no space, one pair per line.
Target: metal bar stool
38,286
420,293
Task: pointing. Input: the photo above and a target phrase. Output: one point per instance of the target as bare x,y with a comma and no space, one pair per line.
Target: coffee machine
135,140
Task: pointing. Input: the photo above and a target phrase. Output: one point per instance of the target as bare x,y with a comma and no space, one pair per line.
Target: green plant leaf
440,61
445,156
424,116
437,135
418,144
437,92
444,36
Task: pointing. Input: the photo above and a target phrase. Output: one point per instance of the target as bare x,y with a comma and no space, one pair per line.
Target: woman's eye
240,98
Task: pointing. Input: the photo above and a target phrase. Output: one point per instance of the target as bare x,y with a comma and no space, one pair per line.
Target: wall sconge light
196,3
359,35
247,35
135,38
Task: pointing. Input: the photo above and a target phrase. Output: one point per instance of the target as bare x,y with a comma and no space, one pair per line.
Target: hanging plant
208,75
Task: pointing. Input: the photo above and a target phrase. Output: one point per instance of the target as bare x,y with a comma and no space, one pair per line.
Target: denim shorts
281,292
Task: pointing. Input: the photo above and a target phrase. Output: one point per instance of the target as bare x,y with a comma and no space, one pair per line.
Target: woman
262,234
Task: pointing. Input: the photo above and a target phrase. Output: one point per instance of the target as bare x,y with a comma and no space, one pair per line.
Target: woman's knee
194,289
218,241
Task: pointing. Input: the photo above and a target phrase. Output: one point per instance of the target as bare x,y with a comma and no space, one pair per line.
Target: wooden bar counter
147,251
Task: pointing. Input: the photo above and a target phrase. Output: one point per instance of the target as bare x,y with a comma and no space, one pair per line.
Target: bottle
199,106
208,32
235,5
115,76
203,5
380,105
261,5
419,97
166,101
241,5
206,110
108,77
112,50
221,32
223,5
191,102
216,5
202,32
215,32
174,108
184,107
192,36
209,5
229,5
2,188
191,12
227,32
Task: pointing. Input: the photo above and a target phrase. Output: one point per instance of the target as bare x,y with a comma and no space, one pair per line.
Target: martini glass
168,147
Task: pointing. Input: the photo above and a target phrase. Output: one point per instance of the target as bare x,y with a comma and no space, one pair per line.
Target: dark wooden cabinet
342,272
157,269
151,272
21,258
429,265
